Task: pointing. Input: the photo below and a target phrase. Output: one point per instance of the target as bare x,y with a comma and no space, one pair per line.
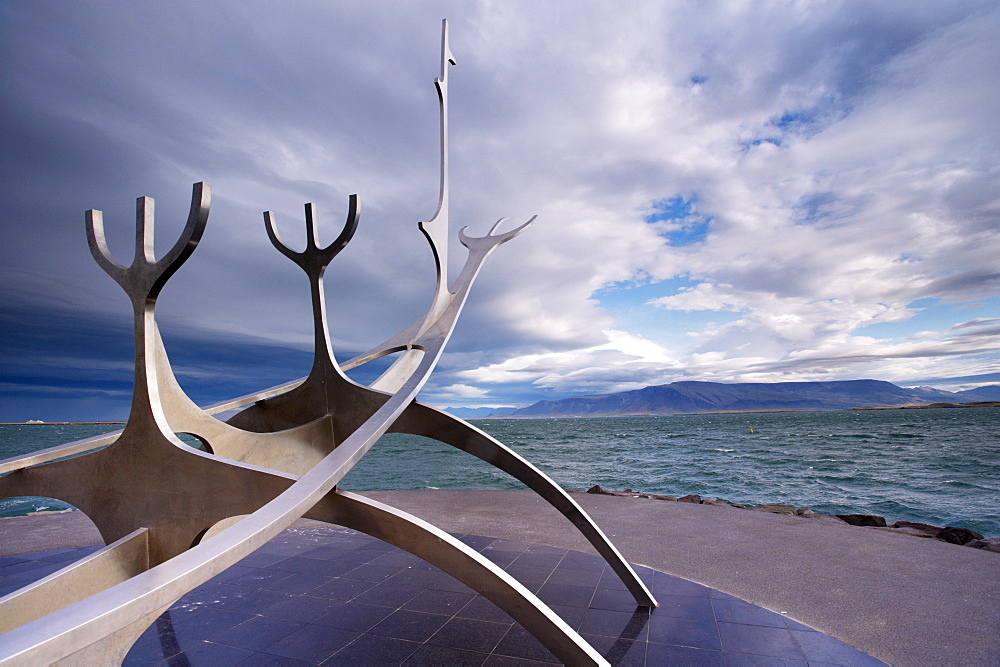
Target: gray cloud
843,155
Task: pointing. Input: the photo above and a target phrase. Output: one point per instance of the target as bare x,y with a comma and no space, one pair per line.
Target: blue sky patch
692,227
932,315
631,308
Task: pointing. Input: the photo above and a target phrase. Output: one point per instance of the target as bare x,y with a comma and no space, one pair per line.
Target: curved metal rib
468,566
420,419
99,571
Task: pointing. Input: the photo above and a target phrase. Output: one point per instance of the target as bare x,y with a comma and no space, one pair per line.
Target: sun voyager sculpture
173,516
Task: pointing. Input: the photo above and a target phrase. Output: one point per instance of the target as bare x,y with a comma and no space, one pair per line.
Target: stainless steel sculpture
173,516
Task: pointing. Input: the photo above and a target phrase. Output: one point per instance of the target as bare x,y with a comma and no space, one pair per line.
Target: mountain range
701,397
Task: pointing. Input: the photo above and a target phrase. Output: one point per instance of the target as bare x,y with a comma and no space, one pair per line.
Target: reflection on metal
175,516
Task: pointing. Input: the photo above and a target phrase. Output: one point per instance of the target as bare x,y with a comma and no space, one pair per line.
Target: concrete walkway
902,599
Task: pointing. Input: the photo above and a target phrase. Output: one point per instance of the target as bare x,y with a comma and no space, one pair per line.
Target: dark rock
691,498
596,488
719,503
863,520
821,516
915,532
914,524
987,544
958,535
774,509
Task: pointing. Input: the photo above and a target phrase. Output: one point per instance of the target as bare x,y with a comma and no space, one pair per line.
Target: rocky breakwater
951,534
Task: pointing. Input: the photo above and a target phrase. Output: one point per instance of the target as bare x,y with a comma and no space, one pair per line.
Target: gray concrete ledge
902,599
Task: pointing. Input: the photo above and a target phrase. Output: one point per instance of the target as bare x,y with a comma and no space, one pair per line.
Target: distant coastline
694,397
40,423
980,404
977,404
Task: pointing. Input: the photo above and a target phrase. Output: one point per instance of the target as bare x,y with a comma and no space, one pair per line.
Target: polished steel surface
172,512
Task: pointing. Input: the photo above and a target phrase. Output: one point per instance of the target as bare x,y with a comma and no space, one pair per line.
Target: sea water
937,466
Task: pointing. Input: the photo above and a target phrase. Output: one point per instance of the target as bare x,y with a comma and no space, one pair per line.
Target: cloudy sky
744,191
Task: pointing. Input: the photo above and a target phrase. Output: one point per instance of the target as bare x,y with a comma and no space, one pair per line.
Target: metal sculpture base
174,516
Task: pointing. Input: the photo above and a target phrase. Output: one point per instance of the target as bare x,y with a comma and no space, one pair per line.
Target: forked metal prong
145,276
491,238
98,244
313,255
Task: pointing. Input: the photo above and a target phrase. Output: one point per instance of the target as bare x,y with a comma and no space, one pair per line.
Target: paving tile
354,616
665,584
665,654
238,598
29,575
518,643
446,655
684,606
617,651
397,559
619,624
684,632
193,625
795,625
439,602
373,650
261,560
536,559
254,577
481,609
6,561
408,576
573,616
545,548
442,581
372,572
327,568
296,583
506,661
354,557
529,573
342,589
256,633
53,556
414,626
339,596
312,643
388,595
748,660
610,580
569,596
574,576
510,545
304,608
208,654
822,648
231,573
760,640
499,558
268,660
470,635
150,648
476,541
328,553
719,595
738,611
616,600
